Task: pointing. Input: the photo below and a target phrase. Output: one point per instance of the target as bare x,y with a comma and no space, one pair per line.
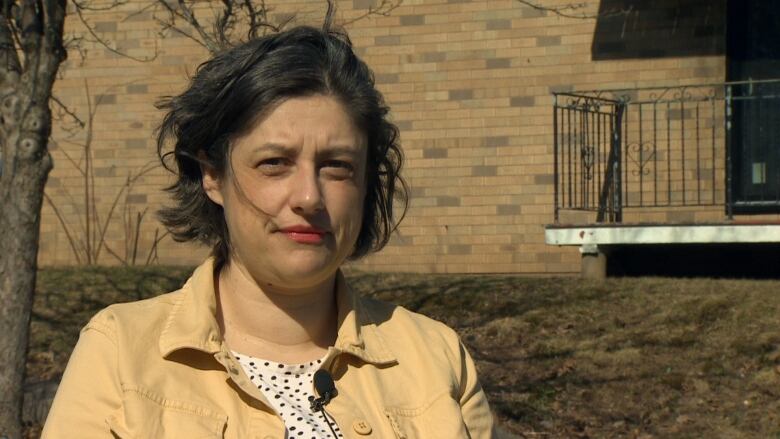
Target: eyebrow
275,147
331,150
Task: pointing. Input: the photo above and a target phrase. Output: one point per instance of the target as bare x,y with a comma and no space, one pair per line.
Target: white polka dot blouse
288,387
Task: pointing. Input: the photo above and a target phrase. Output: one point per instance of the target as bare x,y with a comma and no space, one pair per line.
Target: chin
307,271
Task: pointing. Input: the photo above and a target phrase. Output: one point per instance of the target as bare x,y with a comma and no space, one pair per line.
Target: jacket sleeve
473,402
89,390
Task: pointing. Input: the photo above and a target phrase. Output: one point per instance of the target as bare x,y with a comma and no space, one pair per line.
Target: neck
264,321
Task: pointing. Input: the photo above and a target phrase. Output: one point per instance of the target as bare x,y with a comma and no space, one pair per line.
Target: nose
305,192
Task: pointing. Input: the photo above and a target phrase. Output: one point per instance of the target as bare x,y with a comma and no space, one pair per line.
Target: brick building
470,84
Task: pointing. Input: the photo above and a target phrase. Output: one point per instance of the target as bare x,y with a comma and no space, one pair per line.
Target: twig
113,253
169,26
88,201
67,110
153,249
137,233
70,159
148,167
223,24
189,16
64,191
84,5
384,9
561,11
250,11
105,44
61,219
152,5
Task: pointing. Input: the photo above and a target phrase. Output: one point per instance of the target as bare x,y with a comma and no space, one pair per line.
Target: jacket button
361,427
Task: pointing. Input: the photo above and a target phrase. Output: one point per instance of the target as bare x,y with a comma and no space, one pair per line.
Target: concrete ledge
662,234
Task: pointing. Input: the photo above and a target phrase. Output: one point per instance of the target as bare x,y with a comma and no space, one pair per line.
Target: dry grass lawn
558,357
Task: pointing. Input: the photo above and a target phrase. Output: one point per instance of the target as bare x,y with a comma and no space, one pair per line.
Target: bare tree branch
252,14
327,23
223,23
50,55
169,26
98,39
115,255
29,22
131,179
155,243
61,219
75,164
151,6
67,111
8,36
568,11
184,11
86,5
384,8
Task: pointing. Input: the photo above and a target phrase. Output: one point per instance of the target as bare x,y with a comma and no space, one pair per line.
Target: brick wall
469,84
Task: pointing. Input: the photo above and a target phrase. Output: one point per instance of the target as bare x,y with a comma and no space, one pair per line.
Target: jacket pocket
146,415
439,418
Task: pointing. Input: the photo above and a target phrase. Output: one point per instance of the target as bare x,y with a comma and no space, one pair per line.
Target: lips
304,234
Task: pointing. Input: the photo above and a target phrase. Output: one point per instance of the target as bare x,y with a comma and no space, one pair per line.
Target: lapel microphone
326,389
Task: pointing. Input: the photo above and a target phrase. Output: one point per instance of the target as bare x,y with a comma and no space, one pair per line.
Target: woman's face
293,201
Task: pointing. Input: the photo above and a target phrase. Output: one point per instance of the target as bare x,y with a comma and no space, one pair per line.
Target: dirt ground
558,357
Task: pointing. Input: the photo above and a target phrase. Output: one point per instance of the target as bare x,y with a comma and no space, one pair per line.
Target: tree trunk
25,125
19,232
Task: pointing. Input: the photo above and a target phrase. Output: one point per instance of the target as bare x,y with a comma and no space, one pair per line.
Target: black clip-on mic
326,389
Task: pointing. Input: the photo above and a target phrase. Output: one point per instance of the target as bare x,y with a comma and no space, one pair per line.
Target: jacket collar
192,321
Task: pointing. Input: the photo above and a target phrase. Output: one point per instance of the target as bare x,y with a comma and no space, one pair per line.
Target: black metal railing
701,145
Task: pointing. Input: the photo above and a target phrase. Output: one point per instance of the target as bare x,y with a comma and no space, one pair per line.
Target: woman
287,166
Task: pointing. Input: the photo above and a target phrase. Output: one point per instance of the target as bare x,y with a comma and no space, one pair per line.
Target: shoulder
136,317
391,314
401,327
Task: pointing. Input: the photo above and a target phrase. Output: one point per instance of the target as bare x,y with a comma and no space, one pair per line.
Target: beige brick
136,143
459,95
412,20
522,101
498,63
483,171
548,41
137,89
136,199
389,40
364,4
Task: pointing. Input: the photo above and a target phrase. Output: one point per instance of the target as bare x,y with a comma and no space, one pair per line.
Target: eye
338,168
338,164
273,165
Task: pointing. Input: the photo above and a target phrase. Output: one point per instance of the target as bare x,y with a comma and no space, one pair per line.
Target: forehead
317,120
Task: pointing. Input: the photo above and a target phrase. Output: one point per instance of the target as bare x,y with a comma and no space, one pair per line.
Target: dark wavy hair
233,90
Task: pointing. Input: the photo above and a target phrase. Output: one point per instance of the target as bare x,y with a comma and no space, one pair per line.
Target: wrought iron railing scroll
691,145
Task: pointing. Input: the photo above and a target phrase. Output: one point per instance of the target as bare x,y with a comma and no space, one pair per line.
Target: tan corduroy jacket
158,368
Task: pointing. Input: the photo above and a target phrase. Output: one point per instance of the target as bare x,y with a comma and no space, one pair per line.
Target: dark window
753,53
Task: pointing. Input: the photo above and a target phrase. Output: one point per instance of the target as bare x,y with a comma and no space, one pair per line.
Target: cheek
347,204
247,213
256,200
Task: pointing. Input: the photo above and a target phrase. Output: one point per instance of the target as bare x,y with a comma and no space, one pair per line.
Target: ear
210,180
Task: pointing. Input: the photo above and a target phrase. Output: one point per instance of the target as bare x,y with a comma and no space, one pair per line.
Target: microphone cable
326,388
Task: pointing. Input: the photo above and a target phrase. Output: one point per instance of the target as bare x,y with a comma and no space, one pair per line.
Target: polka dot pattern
287,388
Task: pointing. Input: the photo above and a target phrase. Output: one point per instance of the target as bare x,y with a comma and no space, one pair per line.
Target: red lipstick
304,234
